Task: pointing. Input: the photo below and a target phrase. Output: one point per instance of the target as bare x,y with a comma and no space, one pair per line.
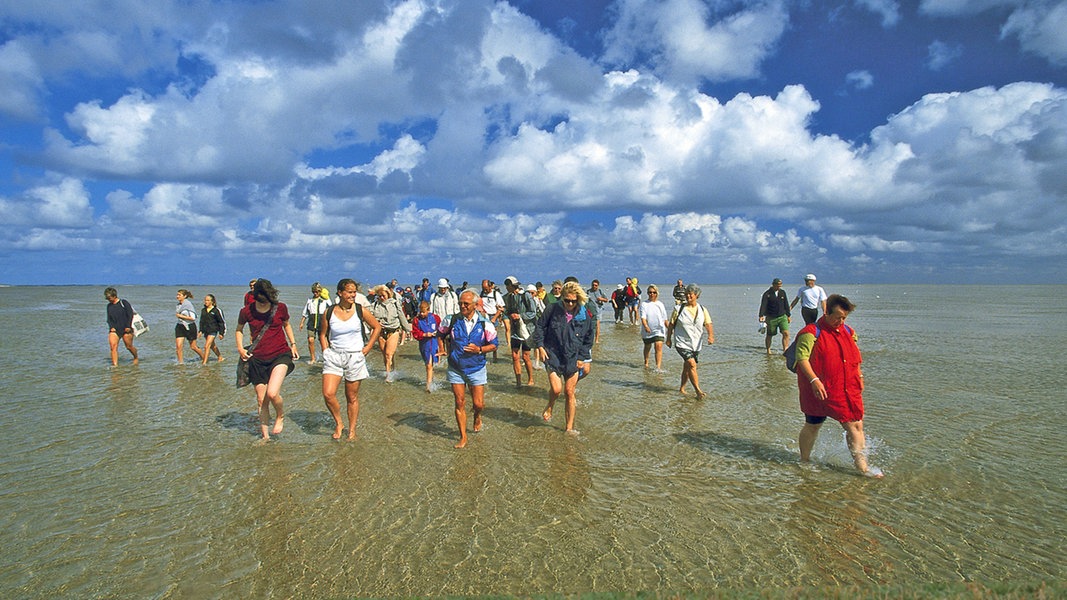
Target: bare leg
857,445
113,344
807,440
478,403
659,356
572,402
459,392
330,384
555,388
352,396
179,348
201,353
692,366
529,367
127,338
311,350
264,411
429,376
648,348
274,394
767,342
785,341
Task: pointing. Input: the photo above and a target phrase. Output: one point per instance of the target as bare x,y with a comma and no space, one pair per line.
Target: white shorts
350,365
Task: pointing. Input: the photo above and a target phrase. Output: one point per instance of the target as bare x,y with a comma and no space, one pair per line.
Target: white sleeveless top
346,336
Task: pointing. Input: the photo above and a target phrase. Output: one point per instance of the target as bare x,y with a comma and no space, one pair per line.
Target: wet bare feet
337,431
700,395
352,434
462,443
547,415
477,424
279,424
221,358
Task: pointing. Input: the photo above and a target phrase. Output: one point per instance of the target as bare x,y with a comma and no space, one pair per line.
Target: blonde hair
573,287
377,288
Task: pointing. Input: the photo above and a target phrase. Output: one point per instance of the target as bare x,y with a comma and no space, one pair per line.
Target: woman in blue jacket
564,340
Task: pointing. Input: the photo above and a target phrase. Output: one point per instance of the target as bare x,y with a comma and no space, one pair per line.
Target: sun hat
442,283
809,277
531,288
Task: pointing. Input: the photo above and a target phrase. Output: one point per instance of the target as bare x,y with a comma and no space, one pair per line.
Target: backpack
359,315
791,352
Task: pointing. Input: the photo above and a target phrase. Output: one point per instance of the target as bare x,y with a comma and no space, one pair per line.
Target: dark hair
341,285
264,287
837,300
111,292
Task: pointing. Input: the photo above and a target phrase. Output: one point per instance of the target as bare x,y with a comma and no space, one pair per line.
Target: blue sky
718,141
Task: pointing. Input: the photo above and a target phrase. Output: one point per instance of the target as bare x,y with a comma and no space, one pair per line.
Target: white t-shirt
656,315
811,297
346,335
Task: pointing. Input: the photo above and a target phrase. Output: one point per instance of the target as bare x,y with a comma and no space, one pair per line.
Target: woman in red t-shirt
272,358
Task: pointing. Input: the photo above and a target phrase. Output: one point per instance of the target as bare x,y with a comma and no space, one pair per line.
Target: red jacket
836,361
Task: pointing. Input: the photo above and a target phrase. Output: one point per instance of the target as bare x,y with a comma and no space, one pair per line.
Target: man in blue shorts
471,336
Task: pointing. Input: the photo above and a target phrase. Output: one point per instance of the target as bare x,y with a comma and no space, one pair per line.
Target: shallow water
148,481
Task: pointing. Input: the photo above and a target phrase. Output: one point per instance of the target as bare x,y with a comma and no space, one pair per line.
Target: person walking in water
685,331
774,314
830,380
119,324
185,328
272,358
344,353
471,336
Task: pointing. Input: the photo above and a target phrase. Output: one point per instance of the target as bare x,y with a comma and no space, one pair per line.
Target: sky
717,141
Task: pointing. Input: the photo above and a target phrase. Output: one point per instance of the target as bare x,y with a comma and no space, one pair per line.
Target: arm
287,327
324,334
376,331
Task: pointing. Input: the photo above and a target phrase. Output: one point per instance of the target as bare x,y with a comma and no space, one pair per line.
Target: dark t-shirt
119,316
774,304
273,342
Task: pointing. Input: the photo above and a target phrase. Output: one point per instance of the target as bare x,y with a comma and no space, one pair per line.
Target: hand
819,389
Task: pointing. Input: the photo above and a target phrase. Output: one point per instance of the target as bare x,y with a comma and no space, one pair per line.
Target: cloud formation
463,137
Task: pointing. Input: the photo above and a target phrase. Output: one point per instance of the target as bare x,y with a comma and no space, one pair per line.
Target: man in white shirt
811,298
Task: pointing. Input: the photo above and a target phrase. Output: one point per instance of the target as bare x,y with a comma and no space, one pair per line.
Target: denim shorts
479,377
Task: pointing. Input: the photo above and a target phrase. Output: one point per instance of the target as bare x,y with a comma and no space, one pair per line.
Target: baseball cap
531,288
511,280
809,277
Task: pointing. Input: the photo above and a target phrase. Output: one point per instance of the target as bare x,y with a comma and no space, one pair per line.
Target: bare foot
462,444
700,395
279,424
477,424
337,431
529,383
573,432
352,434
681,391
547,415
221,358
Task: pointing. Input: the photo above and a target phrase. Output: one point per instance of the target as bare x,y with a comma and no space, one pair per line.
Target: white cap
531,288
511,280
442,282
809,277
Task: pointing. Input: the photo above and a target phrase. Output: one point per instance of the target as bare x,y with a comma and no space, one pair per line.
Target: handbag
243,378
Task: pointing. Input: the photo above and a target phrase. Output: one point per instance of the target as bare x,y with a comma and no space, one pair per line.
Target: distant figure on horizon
811,298
830,381
120,325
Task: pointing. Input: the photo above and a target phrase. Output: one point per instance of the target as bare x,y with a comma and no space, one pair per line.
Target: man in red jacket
831,382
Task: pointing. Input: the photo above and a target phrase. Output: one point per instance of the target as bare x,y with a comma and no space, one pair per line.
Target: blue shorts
479,377
814,420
